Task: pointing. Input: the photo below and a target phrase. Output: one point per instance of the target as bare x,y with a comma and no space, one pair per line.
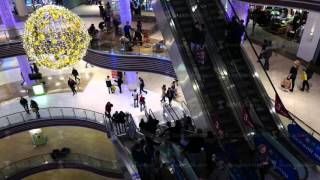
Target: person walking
266,54
142,101
127,28
109,84
305,82
108,108
72,84
119,82
24,104
170,95
35,108
135,96
293,74
75,74
141,85
163,93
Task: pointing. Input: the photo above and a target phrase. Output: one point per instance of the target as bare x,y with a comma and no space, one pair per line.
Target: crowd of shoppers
170,93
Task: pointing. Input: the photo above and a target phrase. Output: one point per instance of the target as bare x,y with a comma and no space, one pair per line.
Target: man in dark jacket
109,84
119,82
35,108
75,74
24,104
72,85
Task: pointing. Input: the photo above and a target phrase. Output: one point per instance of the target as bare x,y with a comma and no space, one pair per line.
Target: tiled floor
67,174
80,140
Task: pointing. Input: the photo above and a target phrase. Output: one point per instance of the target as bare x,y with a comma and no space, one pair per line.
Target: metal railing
11,35
146,49
111,46
52,113
46,159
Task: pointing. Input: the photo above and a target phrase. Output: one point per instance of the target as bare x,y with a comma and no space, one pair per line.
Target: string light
55,37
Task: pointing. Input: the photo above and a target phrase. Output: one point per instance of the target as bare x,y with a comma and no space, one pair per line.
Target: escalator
214,91
246,83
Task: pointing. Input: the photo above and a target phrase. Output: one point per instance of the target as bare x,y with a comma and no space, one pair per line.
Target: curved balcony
104,59
32,165
301,4
53,116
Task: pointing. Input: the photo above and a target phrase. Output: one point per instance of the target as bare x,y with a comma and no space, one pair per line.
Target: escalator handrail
165,109
226,82
293,160
297,120
193,72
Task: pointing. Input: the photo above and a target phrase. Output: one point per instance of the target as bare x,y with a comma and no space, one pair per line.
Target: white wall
310,37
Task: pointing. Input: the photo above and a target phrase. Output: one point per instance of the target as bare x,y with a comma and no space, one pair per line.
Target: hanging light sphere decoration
55,37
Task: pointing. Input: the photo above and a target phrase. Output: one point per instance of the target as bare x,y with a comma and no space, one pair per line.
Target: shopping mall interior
159,89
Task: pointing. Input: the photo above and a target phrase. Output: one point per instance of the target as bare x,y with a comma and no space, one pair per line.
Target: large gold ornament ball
55,37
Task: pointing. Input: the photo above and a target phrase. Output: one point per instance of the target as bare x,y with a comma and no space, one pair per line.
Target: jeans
142,90
135,103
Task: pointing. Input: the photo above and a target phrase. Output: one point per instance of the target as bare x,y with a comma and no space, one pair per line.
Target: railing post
49,113
74,113
62,112
85,112
8,120
22,117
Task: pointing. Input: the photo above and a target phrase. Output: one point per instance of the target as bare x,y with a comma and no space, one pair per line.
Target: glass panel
15,118
80,113
68,112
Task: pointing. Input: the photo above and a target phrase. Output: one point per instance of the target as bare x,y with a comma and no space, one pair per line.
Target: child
142,103
305,82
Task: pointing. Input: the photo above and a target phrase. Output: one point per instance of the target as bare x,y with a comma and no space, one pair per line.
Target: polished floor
66,174
302,104
95,95
80,140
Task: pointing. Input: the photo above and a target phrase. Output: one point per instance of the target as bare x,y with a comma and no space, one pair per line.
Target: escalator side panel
186,79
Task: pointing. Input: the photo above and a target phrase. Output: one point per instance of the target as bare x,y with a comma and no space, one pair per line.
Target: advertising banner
304,141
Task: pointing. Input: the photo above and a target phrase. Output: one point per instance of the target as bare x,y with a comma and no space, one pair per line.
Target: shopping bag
286,83
113,88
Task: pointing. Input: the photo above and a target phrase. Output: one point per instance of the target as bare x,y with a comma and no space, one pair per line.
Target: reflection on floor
53,84
66,174
80,140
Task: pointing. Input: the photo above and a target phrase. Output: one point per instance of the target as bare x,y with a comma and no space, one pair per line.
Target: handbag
286,83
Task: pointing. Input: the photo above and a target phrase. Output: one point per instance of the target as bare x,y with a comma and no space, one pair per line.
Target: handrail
266,73
193,72
166,110
46,159
296,119
226,82
116,48
52,113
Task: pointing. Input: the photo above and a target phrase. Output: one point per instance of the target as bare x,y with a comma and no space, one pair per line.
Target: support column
310,37
125,11
8,19
21,7
132,80
25,70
